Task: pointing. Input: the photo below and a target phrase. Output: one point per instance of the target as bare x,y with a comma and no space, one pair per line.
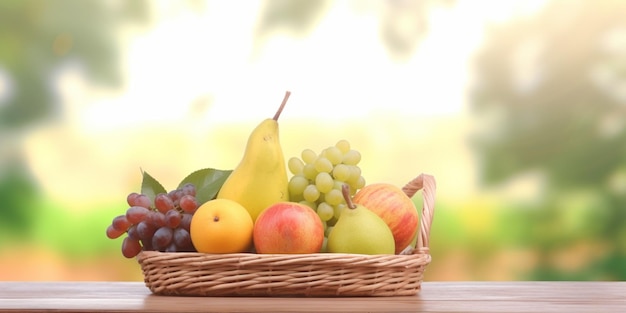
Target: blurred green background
518,108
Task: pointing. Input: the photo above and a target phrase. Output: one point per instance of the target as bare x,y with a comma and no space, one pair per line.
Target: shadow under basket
304,275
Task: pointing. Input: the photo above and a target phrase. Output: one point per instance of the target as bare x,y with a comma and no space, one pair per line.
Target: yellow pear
260,179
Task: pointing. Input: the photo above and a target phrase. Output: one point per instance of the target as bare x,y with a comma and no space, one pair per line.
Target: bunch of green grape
317,179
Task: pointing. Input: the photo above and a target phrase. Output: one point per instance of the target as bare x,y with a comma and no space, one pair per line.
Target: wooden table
594,297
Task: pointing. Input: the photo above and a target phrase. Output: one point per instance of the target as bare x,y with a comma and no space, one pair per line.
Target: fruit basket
308,275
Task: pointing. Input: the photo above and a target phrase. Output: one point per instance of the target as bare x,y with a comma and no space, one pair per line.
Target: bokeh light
516,107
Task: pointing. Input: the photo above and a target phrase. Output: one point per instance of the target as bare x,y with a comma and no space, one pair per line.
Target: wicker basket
318,274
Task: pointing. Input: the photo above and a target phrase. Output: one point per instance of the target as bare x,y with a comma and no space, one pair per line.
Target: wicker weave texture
247,274
317,274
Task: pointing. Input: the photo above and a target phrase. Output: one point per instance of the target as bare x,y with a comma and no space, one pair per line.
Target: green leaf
208,182
150,186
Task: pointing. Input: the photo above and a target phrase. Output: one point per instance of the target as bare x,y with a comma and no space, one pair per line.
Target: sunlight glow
343,84
341,70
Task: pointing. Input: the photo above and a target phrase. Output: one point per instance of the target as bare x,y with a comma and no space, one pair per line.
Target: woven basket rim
278,256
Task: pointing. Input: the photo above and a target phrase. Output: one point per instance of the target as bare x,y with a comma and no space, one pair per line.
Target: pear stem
282,105
345,190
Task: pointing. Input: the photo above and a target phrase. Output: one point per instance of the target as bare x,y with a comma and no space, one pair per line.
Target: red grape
132,232
143,201
137,199
162,238
172,218
145,230
114,233
189,189
147,244
171,248
130,247
163,226
136,214
163,202
182,239
157,219
120,222
132,198
185,221
188,203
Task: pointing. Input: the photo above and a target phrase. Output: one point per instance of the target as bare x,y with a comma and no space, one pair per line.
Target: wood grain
434,297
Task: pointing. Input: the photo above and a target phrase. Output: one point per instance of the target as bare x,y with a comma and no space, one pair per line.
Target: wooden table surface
435,297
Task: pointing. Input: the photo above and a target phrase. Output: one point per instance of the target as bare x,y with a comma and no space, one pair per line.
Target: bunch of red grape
159,226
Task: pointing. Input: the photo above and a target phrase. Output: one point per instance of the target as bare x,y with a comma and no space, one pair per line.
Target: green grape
338,185
328,230
352,157
318,179
311,205
322,197
353,188
324,248
360,183
341,172
324,182
337,209
309,171
295,165
308,156
334,155
334,197
325,211
355,173
310,193
297,184
343,145
296,198
322,164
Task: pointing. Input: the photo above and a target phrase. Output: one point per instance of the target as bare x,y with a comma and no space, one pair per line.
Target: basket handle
428,185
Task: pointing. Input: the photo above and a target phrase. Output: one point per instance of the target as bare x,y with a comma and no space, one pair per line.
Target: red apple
394,207
288,227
